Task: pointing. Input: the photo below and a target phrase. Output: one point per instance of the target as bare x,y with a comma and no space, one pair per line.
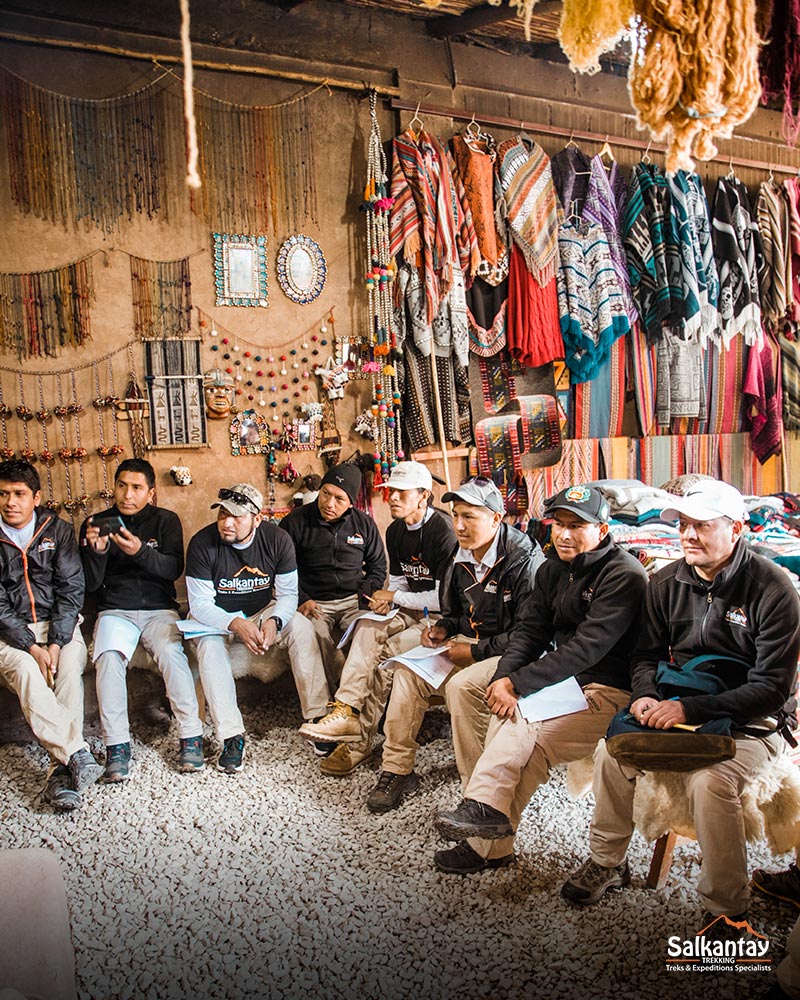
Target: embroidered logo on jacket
587,595
47,544
736,616
245,581
355,539
152,543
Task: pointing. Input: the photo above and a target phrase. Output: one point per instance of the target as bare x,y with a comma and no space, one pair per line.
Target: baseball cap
586,502
706,501
480,492
239,499
409,476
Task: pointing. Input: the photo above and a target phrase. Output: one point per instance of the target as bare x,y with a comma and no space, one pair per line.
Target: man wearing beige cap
723,600
420,542
241,578
483,588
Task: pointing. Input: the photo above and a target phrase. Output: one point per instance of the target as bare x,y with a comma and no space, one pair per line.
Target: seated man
720,598
241,577
485,585
581,621
132,569
420,541
42,652
340,559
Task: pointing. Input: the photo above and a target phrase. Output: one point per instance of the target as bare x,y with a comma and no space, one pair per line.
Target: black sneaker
191,756
84,769
118,759
784,886
390,791
59,793
462,860
473,819
231,760
592,881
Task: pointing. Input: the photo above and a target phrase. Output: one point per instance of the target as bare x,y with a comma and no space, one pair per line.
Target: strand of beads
25,414
43,415
5,412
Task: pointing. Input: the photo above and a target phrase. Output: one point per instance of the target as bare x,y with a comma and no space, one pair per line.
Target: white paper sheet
369,616
115,634
563,698
192,629
430,665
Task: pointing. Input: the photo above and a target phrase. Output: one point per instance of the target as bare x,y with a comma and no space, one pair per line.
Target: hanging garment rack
460,114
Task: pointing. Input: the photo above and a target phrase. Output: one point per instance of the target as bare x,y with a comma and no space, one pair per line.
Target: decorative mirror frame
303,435
242,423
231,296
302,294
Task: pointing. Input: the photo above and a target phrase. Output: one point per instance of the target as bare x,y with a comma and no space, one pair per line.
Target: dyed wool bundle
694,73
588,28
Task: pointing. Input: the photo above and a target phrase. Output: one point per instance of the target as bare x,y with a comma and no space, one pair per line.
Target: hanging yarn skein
694,73
192,177
589,28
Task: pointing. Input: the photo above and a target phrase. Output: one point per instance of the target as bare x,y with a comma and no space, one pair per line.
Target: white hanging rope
192,177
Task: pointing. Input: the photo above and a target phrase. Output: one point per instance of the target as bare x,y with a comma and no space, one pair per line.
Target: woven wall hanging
43,311
162,298
175,387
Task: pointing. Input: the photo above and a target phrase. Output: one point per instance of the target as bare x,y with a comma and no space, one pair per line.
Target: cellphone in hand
109,525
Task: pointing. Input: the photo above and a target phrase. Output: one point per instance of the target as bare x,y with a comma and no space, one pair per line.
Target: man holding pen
241,578
420,542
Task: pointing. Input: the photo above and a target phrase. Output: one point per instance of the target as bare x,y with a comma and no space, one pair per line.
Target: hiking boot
323,749
473,819
59,793
191,755
592,881
345,758
462,860
784,886
340,725
84,770
231,759
724,928
390,791
118,759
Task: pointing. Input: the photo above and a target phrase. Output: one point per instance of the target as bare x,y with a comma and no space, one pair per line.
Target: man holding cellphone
132,555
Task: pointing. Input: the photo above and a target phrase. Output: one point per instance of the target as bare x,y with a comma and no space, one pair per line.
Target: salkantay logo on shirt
736,616
240,584
415,570
356,539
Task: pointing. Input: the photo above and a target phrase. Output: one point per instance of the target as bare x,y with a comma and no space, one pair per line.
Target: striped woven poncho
692,231
740,260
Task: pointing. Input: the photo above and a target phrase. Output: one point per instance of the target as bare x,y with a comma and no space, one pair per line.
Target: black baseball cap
587,502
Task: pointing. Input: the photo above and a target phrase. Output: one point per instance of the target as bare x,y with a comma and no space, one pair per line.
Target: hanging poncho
652,252
692,231
571,169
737,249
474,161
605,206
792,188
773,225
763,404
680,391
590,304
448,333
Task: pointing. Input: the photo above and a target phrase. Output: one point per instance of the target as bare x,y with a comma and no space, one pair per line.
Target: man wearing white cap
720,599
241,578
420,542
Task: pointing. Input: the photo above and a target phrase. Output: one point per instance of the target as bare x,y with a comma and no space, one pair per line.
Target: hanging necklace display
162,298
25,414
64,452
116,448
301,269
78,452
380,275
5,413
43,415
101,403
132,408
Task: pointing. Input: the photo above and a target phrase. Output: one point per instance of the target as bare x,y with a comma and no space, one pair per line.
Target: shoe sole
113,779
624,880
489,864
328,738
453,830
775,895
231,770
190,768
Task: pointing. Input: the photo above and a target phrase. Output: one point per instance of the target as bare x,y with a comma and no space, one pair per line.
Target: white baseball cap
410,476
706,501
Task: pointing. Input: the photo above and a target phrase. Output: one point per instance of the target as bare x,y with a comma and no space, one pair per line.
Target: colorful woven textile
475,164
486,317
792,188
571,169
642,362
737,248
529,204
580,463
790,381
762,397
599,405
773,224
680,386
605,206
532,328
692,230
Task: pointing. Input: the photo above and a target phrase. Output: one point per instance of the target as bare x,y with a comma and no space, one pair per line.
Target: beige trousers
408,703
55,716
519,756
714,794
330,615
363,685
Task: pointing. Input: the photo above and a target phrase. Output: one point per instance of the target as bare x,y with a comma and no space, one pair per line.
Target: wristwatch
278,622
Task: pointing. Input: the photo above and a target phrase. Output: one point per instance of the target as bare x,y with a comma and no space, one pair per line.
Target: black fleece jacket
589,608
146,581
507,585
43,583
750,611
335,559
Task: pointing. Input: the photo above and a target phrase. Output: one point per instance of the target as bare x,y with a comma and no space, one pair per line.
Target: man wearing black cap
482,591
341,560
241,578
580,622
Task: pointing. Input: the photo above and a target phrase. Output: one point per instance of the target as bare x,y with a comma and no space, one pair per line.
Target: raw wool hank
694,73
588,28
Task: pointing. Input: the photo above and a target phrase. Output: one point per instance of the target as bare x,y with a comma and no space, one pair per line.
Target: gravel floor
278,883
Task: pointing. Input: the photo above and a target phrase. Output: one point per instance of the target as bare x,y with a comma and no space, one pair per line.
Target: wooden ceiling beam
479,17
